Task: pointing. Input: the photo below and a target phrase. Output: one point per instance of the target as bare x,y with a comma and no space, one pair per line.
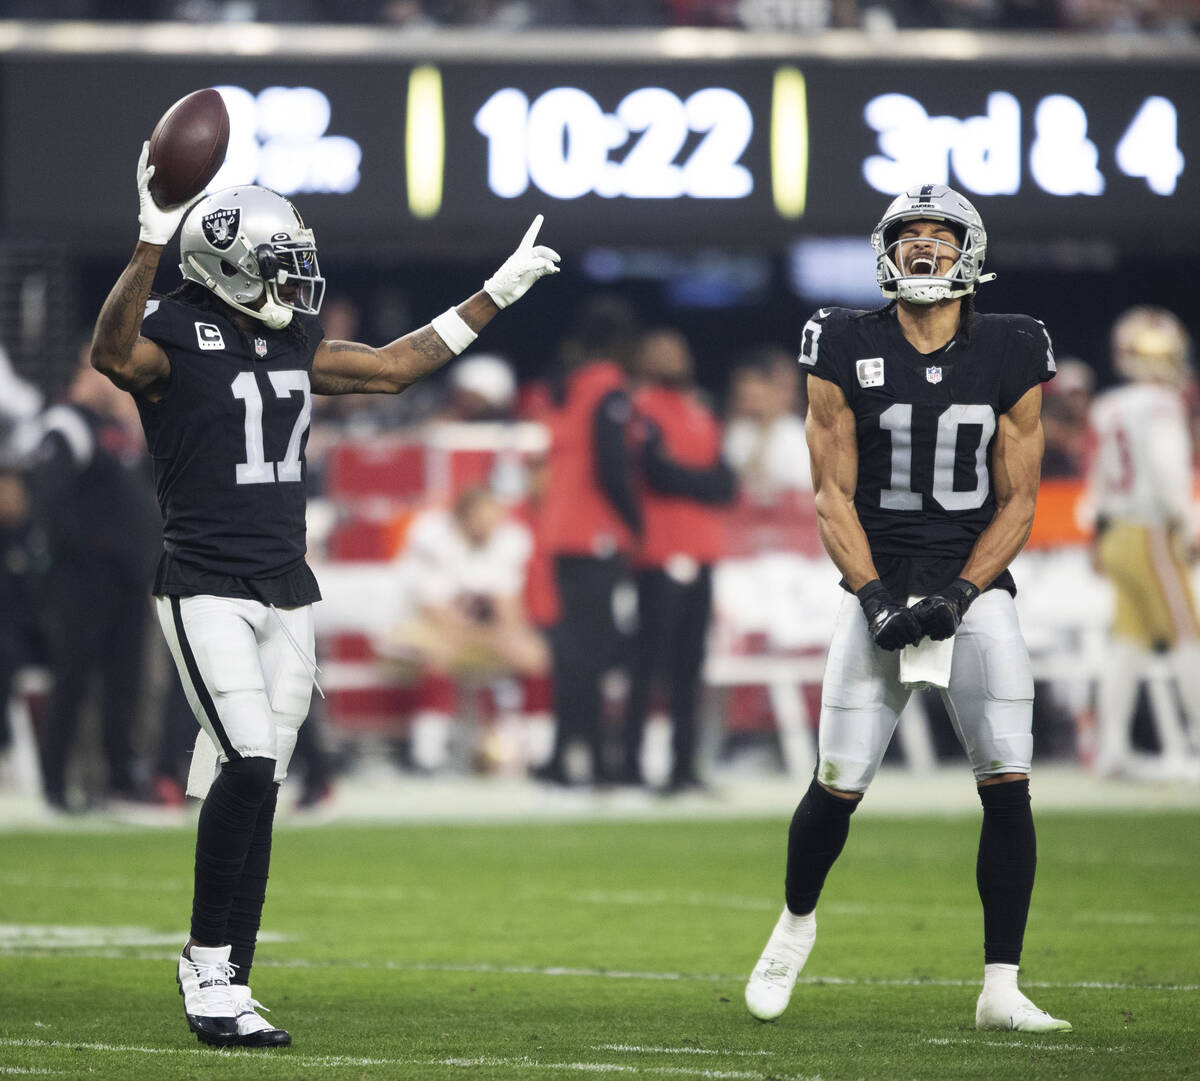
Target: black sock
815,839
1005,868
223,835
245,914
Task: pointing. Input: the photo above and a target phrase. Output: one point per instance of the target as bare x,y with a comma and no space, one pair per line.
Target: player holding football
222,371
925,436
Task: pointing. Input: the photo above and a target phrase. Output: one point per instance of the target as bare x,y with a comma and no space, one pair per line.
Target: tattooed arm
353,368
132,362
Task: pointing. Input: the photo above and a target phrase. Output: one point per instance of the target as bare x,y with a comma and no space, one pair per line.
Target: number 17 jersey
925,428
227,439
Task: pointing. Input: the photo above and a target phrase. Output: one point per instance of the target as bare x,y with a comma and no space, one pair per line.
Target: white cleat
252,1029
769,988
1006,1008
203,976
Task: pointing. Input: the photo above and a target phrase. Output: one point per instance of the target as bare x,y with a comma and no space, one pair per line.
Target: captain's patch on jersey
209,336
870,372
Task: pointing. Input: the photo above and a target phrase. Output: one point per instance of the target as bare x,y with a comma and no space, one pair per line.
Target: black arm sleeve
715,485
613,468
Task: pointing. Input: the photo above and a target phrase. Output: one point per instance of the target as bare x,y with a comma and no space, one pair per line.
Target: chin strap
276,316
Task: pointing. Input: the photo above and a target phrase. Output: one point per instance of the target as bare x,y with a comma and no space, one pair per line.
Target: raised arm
354,368
132,362
1016,473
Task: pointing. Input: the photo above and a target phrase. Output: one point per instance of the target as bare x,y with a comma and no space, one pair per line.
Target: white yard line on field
26,1071
1028,1045
521,1062
637,1049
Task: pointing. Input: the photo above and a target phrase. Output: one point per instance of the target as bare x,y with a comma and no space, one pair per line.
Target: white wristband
453,330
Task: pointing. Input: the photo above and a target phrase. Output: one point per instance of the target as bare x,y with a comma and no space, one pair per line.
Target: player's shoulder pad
826,327
1011,321
1031,334
167,320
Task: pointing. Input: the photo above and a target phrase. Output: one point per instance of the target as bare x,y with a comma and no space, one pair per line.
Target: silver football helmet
250,247
931,202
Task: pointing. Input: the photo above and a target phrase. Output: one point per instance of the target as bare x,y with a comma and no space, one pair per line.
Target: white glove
158,225
521,269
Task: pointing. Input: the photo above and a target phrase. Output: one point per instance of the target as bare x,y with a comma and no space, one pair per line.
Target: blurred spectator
20,403
17,614
94,500
764,439
685,480
1067,399
463,573
591,521
482,386
1131,16
600,13
1141,484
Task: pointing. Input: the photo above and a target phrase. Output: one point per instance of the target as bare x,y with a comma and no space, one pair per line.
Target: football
188,147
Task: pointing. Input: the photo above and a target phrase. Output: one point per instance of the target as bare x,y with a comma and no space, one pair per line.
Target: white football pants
990,697
247,670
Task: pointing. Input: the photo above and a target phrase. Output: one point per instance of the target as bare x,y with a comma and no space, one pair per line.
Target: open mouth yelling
922,264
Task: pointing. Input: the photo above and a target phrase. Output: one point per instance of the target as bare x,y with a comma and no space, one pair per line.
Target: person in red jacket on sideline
684,483
591,521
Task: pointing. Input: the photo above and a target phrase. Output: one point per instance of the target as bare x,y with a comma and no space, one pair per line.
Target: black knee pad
249,778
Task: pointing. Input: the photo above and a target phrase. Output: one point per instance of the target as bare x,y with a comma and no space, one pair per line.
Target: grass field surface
620,949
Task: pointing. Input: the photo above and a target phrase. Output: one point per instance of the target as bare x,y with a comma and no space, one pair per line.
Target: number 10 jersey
925,429
227,439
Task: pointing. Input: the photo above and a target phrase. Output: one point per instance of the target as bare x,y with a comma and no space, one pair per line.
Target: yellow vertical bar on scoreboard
789,142
425,141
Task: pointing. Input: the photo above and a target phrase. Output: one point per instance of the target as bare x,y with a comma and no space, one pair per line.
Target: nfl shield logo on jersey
933,374
260,346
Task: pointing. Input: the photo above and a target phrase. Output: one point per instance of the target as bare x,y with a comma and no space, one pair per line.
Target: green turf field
560,950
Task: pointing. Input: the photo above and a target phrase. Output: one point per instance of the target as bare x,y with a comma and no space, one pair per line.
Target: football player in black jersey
222,371
925,436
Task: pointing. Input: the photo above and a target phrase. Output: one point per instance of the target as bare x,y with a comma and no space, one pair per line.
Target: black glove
940,613
892,625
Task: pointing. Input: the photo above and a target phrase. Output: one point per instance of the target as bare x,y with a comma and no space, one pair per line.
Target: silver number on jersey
897,419
899,495
256,469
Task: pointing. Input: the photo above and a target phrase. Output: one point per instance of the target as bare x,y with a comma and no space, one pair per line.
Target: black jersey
228,439
925,425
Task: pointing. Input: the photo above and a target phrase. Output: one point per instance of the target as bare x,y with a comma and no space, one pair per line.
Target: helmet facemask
292,278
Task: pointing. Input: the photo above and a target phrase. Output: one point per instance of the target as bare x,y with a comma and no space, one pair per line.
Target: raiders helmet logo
220,228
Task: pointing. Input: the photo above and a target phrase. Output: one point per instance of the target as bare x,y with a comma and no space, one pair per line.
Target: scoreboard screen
384,155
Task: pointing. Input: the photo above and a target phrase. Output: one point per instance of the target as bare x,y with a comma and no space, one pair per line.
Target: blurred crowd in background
609,575
1113,16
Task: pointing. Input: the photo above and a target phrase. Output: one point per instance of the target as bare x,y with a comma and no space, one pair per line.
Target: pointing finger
531,233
